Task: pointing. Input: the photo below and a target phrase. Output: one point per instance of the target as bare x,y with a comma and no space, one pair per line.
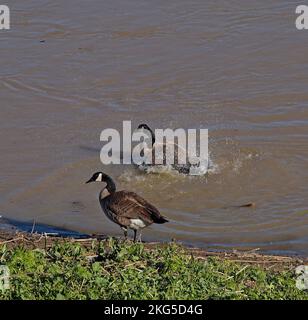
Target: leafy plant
117,270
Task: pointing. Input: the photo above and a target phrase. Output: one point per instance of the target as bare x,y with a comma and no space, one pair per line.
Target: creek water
71,69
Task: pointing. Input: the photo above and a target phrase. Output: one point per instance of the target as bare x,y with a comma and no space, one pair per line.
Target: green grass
130,271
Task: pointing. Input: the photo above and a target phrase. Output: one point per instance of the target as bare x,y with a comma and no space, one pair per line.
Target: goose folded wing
128,205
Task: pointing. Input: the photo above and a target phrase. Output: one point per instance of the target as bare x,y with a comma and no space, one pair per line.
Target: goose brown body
126,208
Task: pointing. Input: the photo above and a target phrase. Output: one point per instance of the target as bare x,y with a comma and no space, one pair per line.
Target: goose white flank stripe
137,223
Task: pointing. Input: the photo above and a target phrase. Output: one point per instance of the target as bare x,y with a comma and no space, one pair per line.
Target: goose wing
128,205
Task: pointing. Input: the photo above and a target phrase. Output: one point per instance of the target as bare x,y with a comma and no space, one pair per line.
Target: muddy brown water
69,70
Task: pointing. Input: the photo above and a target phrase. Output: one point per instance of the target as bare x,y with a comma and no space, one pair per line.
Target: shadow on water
7,224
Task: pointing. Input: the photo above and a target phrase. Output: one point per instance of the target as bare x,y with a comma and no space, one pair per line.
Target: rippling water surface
70,69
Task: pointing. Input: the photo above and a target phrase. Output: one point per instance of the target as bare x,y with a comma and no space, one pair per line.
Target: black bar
211,309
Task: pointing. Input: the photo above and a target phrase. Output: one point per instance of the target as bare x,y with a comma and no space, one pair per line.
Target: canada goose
181,168
126,208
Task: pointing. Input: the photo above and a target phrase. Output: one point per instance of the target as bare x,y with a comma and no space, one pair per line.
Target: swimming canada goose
126,208
181,168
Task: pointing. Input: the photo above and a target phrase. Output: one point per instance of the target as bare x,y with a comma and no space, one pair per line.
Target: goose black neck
153,136
111,187
146,127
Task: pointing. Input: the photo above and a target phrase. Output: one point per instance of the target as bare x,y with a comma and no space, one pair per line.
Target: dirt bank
252,257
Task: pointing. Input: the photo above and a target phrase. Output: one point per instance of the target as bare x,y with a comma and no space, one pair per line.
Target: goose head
103,177
144,126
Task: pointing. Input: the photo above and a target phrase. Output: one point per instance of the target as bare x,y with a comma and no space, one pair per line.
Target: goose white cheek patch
99,178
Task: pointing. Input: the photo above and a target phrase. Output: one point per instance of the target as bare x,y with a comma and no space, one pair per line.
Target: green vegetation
117,270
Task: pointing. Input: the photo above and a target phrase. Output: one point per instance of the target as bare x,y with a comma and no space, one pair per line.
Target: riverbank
46,267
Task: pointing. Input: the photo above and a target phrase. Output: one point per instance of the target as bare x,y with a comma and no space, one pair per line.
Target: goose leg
135,235
125,233
140,234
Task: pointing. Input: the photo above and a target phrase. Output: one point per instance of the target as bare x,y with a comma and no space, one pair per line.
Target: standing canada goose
126,208
150,152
